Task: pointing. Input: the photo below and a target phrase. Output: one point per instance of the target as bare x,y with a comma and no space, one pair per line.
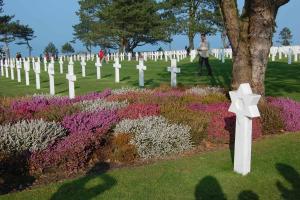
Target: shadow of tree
209,189
248,195
88,186
293,177
14,173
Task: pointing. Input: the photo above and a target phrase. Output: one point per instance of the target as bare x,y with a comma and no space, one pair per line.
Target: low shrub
214,98
125,90
92,96
31,135
290,112
121,148
271,120
56,113
204,91
100,104
178,113
89,121
221,127
134,111
87,138
154,136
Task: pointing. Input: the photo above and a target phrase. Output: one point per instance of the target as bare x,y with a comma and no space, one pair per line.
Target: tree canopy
67,48
122,24
51,50
285,36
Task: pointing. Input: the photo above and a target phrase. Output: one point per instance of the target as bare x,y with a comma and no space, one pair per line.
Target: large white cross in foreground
98,65
244,105
51,76
174,70
141,67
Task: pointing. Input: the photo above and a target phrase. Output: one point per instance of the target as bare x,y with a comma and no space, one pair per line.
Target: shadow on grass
88,186
209,188
293,177
14,173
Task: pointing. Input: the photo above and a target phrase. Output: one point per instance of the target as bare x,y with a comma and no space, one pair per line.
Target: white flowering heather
100,104
155,137
203,91
29,135
125,90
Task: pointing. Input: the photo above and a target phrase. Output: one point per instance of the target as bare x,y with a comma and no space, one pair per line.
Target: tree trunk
191,40
250,36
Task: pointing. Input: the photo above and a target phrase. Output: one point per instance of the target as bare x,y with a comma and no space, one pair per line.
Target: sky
52,21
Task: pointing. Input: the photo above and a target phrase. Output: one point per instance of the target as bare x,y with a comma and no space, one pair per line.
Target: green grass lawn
275,175
281,79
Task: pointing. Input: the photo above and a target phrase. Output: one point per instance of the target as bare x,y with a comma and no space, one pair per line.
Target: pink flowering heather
93,96
222,123
290,112
76,150
89,121
135,111
170,93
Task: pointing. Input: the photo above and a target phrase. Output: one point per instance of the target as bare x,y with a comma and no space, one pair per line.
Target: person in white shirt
204,54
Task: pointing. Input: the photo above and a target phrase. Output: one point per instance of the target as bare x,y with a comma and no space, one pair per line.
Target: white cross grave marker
244,105
37,71
117,67
26,69
72,78
2,67
83,64
19,67
51,76
6,68
141,67
61,65
290,56
12,71
98,65
45,64
174,70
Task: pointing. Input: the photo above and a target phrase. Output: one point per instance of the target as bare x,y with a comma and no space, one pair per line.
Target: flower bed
124,125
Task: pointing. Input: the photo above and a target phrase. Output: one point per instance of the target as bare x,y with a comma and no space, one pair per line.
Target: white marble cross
51,76
61,65
26,69
141,67
6,68
83,64
136,56
117,67
37,70
72,78
129,55
98,65
45,64
290,56
244,105
174,70
19,67
12,71
2,67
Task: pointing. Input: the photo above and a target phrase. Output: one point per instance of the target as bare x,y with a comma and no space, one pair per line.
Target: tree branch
231,21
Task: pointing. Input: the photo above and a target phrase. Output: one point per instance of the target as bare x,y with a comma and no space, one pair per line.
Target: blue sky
52,21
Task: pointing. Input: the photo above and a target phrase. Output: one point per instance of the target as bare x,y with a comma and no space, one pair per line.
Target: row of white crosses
288,52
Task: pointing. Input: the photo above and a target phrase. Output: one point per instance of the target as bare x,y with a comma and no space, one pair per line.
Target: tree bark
250,36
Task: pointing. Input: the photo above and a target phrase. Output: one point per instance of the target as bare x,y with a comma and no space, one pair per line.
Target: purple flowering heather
290,112
89,121
171,93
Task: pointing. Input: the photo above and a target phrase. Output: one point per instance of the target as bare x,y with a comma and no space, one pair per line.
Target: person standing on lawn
101,55
204,55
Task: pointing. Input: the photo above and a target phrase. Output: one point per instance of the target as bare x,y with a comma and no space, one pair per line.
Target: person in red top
101,55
